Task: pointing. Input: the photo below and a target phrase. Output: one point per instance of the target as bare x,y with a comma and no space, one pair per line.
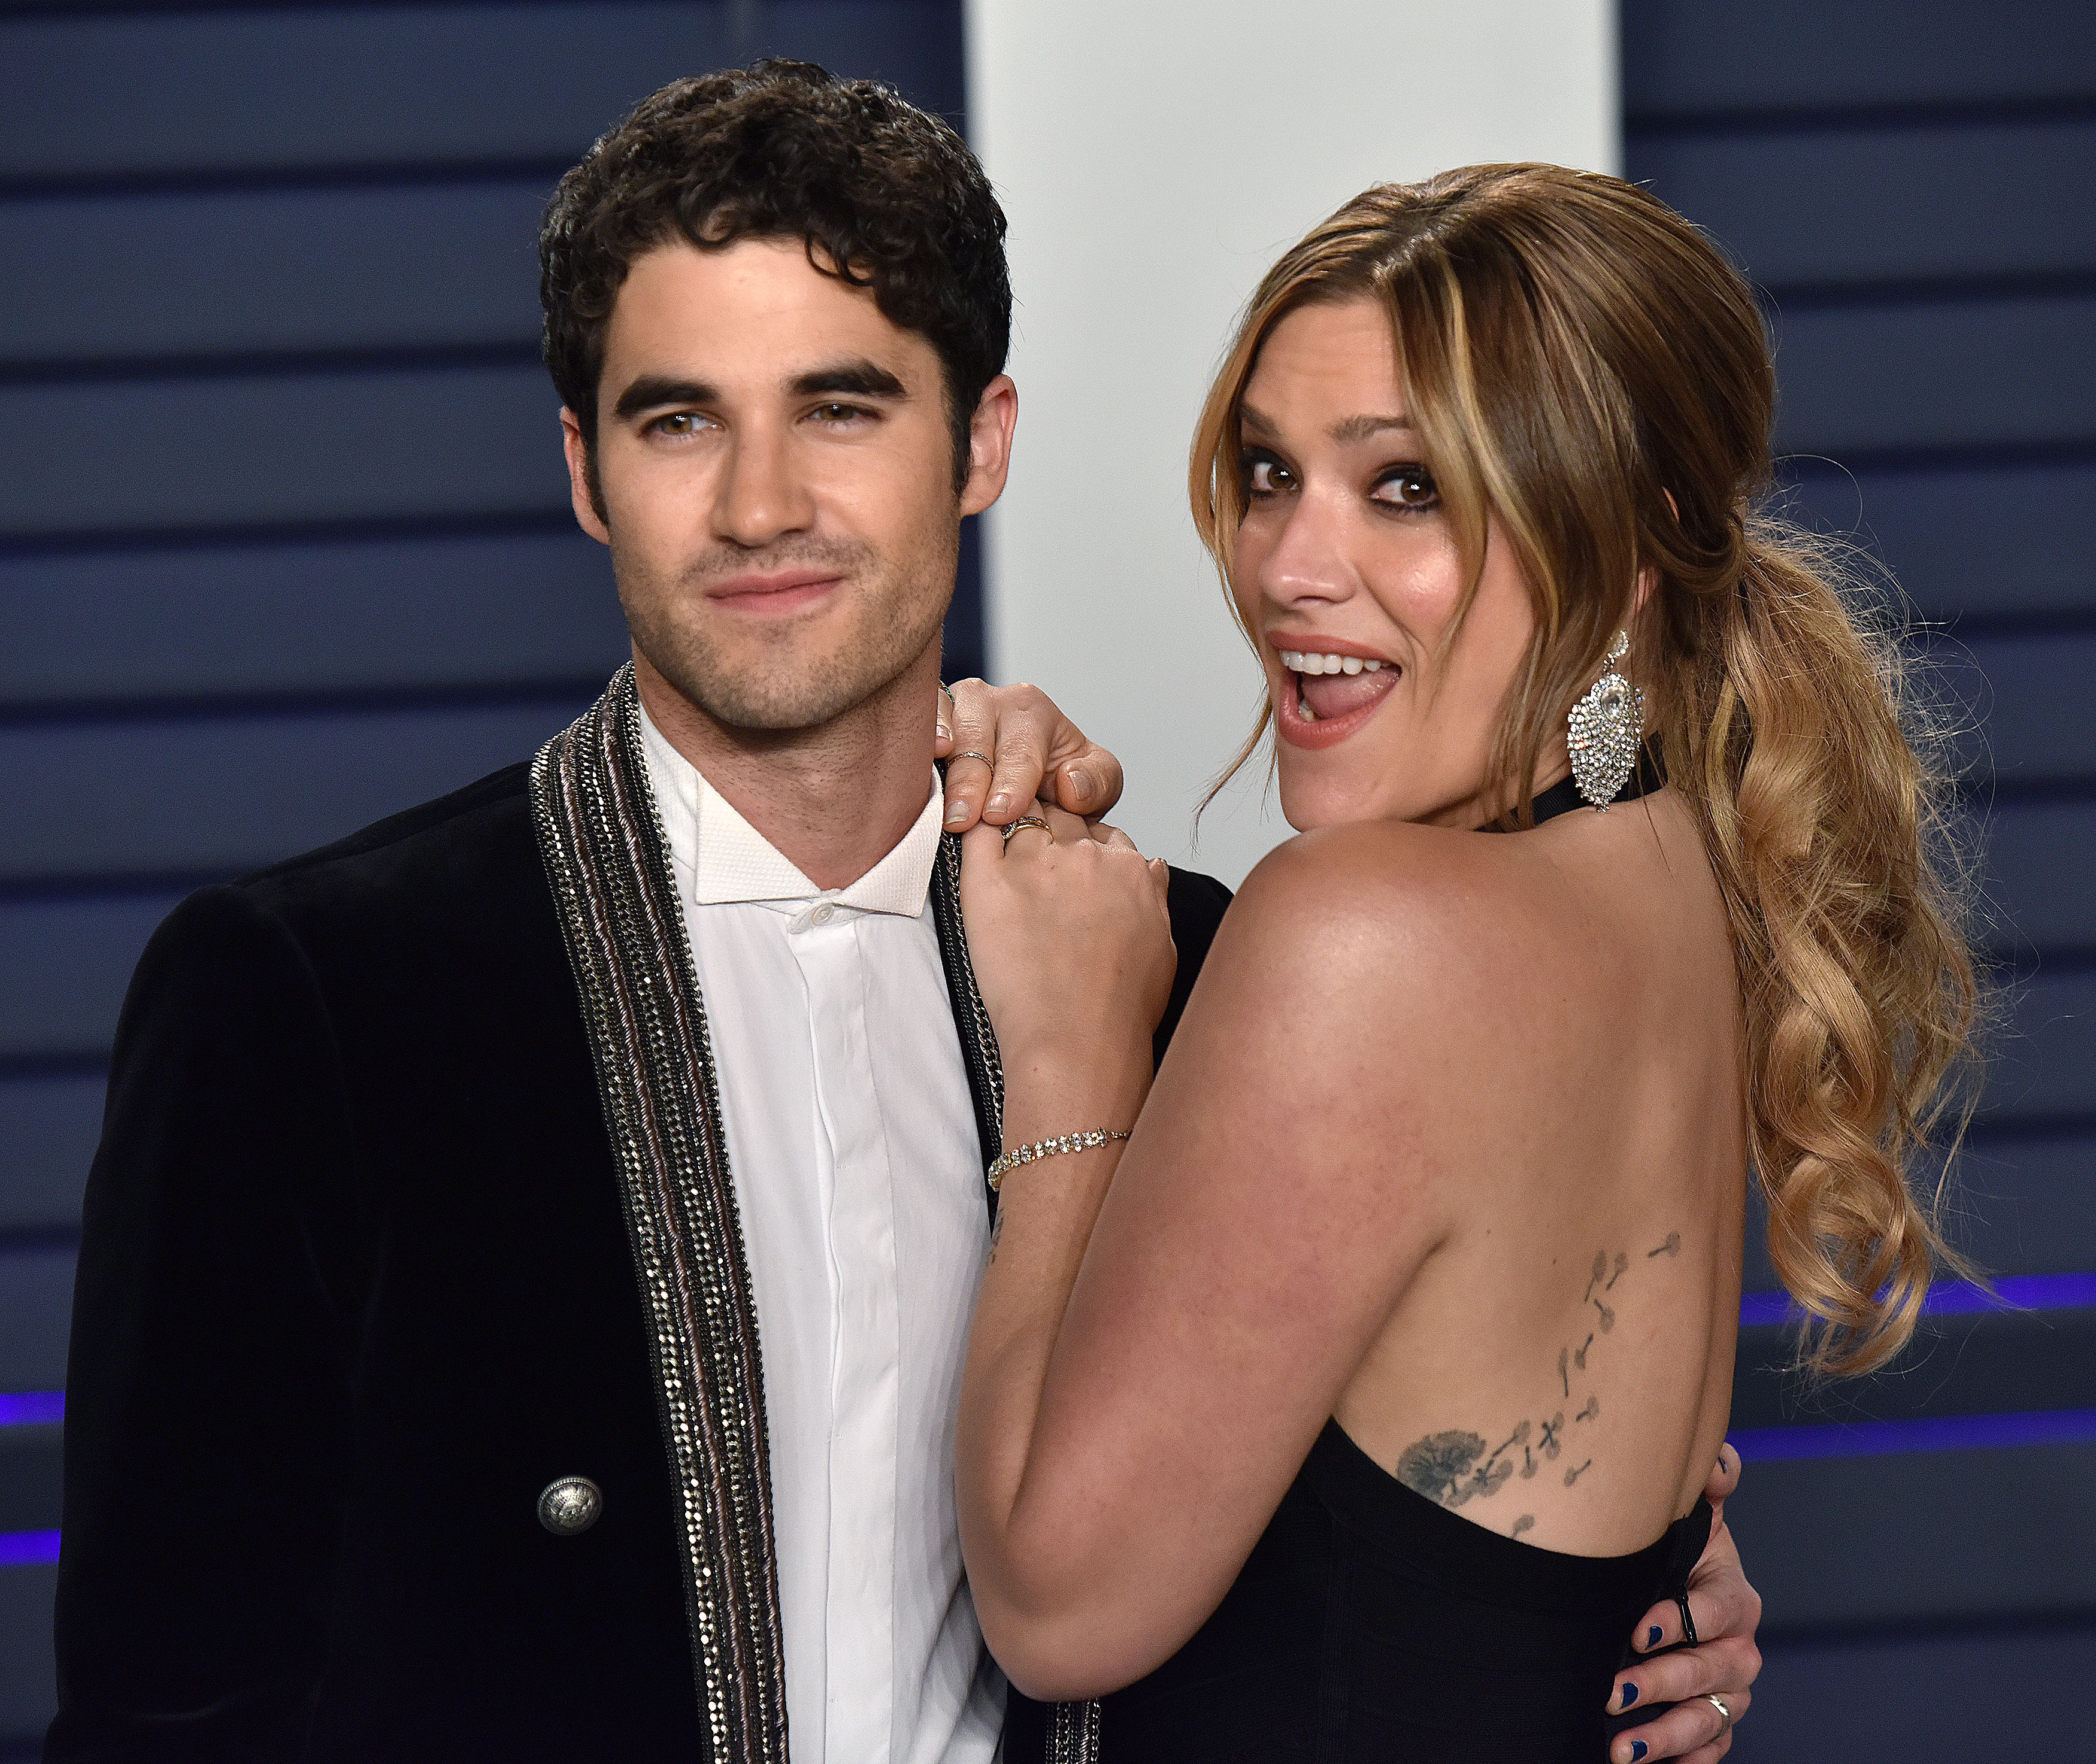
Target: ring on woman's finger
972,754
1025,820
1724,1714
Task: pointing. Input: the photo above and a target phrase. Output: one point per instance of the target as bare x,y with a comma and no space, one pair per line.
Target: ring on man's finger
1724,1714
1025,820
972,754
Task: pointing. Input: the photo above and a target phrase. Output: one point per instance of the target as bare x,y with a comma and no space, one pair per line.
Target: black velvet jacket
355,1285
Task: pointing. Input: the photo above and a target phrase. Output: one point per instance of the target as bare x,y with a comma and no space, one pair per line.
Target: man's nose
762,495
1307,563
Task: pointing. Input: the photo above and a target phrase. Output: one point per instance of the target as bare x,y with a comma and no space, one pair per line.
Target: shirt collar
723,860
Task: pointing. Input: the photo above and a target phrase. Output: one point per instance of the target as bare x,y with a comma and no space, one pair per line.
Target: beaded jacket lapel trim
1073,1728
600,838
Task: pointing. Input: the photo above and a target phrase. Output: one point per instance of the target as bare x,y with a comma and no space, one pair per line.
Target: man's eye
839,413
678,422
1407,486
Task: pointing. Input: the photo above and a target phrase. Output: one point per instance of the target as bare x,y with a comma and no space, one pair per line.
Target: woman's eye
1266,477
1409,487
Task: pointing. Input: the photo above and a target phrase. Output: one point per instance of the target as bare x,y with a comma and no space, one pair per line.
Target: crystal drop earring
1605,728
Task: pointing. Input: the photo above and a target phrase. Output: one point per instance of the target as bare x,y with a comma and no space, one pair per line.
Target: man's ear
989,444
582,491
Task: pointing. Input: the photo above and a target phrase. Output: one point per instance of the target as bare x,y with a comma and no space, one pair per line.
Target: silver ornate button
570,1505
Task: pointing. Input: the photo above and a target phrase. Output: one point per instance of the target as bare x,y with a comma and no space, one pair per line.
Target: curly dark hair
886,197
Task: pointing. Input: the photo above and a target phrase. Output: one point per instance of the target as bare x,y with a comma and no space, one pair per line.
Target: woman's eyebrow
1365,428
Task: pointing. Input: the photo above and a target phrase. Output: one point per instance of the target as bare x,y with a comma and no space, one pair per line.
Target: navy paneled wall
1913,188
284,543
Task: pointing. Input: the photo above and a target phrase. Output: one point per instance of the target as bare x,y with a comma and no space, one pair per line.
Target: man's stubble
784,684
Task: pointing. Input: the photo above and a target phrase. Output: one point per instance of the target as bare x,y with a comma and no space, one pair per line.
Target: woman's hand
1005,745
1072,943
1727,1612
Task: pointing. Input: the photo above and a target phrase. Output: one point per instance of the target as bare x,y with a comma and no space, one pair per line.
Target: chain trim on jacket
606,860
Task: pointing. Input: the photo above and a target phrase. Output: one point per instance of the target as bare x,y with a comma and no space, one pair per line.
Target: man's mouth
1326,687
773,591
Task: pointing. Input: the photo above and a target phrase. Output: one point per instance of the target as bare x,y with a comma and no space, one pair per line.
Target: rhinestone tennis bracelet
1008,1161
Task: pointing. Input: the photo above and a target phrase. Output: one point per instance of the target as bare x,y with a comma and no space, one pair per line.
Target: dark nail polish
1638,1750
1652,1636
1630,1693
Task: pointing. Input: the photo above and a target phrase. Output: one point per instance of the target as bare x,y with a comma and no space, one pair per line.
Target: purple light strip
32,1408
1946,1433
1952,1298
19,1547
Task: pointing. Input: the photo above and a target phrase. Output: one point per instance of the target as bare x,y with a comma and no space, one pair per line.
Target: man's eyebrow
856,379
653,391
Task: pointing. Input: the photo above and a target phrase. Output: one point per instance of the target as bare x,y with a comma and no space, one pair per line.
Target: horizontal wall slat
67,963
29,1677
1972,373
30,1470
336,616
1904,1697
2019,1204
1989,1363
217,794
49,1124
1834,1540
180,454
2027,695
1895,202
261,91
1689,59
2040,876
240,273
2045,1065
1967,536
35,1312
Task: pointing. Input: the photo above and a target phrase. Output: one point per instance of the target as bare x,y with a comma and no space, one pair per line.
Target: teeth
1310,662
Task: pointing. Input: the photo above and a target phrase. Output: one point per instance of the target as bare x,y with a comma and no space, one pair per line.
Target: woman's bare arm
1158,1346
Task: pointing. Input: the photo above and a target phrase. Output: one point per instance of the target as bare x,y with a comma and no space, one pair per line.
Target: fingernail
1652,1636
1638,1750
1630,1693
945,734
1000,800
956,815
1080,781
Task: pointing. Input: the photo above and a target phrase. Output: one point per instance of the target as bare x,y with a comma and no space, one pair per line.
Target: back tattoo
1454,1468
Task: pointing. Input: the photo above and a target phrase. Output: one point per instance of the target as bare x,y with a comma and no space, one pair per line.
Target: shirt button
823,914
570,1505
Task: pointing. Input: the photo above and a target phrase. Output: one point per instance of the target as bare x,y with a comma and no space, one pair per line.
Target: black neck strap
1647,775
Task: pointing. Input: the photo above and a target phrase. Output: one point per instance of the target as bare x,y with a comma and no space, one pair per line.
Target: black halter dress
1370,1623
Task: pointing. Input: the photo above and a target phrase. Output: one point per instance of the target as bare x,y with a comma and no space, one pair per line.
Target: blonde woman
1357,1404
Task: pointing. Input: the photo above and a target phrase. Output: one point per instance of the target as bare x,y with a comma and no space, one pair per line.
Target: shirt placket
865,1342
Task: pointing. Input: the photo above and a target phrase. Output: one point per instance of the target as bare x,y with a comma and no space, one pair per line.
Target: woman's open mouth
1329,694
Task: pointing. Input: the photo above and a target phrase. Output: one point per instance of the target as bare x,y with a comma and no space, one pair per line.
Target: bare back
1558,1366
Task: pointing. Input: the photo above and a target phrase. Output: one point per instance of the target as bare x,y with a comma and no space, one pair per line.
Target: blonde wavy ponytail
1827,829
1593,386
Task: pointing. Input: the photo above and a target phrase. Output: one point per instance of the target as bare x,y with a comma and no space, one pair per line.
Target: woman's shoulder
1411,904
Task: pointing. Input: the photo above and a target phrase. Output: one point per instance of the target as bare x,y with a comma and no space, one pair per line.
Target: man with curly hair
528,1265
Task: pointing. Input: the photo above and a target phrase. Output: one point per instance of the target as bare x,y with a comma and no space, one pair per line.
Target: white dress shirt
858,1174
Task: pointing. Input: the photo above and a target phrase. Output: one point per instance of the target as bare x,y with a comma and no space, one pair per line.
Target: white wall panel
1154,156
